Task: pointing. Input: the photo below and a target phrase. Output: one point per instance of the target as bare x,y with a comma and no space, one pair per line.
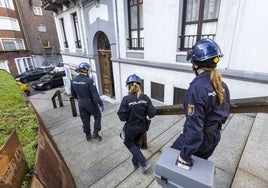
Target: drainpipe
234,36
118,46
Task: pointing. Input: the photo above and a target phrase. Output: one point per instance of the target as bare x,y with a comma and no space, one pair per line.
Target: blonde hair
134,88
216,80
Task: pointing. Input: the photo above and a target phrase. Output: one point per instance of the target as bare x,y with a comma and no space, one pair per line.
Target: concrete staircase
241,157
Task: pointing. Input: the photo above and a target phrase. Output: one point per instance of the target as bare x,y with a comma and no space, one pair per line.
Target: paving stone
254,159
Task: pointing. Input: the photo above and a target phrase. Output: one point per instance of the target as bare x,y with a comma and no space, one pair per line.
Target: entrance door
104,53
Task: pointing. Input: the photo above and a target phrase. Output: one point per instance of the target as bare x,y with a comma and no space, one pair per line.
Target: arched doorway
106,69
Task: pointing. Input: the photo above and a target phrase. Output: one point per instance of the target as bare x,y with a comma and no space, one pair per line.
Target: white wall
160,30
242,35
169,78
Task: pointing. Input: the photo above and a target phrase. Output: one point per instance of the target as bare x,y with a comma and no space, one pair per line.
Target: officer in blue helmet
134,109
206,105
84,90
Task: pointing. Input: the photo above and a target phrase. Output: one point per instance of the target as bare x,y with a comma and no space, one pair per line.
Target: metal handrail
247,105
53,98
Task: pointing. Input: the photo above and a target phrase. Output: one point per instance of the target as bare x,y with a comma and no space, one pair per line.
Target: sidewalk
241,157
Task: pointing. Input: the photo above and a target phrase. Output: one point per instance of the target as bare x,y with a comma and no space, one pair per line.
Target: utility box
170,175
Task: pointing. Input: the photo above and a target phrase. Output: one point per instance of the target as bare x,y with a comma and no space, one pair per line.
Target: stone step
108,163
253,166
228,153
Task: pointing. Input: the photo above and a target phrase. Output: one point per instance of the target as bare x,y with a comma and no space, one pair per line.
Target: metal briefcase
168,174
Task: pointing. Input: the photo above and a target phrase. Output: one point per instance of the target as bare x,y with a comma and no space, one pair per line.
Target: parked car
25,88
48,68
49,81
31,75
59,67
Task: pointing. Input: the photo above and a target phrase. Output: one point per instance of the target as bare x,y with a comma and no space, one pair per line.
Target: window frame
37,11
62,25
192,39
7,4
76,30
42,28
17,42
138,42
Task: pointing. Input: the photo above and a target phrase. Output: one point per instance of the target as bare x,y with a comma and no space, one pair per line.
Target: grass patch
15,114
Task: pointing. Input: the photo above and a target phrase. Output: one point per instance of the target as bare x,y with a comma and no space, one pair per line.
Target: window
45,43
42,28
157,91
135,11
76,31
37,11
178,96
9,24
6,4
200,18
13,44
65,42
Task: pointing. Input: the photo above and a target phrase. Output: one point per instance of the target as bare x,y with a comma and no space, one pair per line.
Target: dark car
31,75
49,81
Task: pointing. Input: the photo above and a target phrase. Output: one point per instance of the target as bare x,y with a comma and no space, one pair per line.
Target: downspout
234,36
118,47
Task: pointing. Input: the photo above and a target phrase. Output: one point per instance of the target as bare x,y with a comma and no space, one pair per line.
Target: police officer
206,106
84,90
134,108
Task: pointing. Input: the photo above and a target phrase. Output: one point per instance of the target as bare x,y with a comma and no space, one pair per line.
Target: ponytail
134,88
215,78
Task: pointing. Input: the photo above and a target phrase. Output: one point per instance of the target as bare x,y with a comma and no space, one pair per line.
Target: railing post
54,101
144,141
60,99
72,101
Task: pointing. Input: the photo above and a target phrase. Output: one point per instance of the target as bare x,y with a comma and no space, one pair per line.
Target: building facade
13,47
151,38
28,36
40,31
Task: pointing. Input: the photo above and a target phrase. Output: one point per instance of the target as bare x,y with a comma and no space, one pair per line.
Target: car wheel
24,80
48,87
27,93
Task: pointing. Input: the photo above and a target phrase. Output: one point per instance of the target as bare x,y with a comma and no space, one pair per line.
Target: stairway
240,158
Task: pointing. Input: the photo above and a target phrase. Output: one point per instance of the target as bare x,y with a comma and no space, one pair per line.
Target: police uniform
133,111
204,118
84,90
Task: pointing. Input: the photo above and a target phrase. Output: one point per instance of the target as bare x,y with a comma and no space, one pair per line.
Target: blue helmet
203,50
133,78
83,66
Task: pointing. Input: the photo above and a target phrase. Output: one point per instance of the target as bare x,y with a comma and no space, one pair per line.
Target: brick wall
31,22
11,56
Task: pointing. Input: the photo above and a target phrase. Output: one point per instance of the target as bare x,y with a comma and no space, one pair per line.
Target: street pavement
240,158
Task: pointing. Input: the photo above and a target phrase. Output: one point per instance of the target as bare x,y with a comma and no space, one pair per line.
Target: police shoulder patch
191,109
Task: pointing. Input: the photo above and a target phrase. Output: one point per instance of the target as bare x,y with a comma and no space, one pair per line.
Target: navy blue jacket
201,110
83,87
133,110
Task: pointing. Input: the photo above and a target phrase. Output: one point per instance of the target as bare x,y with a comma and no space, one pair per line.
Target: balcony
135,43
55,5
187,41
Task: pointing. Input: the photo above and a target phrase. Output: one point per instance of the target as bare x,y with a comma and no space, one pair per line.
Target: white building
150,38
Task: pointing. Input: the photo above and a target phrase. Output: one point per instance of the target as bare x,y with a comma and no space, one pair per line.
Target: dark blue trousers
133,136
87,108
205,150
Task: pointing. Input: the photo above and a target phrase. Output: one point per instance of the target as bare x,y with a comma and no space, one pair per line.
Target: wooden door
106,72
104,53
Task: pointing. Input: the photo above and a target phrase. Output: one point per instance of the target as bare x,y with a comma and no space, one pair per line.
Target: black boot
96,136
88,136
